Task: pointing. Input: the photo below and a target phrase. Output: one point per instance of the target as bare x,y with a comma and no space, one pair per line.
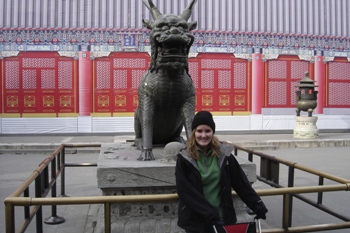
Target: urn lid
306,81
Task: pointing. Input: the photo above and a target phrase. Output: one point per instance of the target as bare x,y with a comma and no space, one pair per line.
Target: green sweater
210,172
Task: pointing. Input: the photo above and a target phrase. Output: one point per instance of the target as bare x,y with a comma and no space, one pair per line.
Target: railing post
320,194
107,217
54,219
286,211
63,173
26,208
250,156
39,214
290,199
10,218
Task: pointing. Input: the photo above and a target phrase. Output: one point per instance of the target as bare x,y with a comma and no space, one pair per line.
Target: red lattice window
120,79
339,83
12,75
282,77
116,82
221,82
193,70
39,83
103,74
207,79
240,74
65,78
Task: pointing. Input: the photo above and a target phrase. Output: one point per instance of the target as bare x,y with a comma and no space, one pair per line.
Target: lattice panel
48,79
207,81
339,71
216,63
103,77
193,70
136,78
65,75
224,79
29,79
277,93
293,95
298,69
129,63
240,76
12,75
277,69
120,79
38,62
339,94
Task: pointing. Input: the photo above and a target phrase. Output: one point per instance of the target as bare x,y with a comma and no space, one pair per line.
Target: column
85,83
320,79
257,83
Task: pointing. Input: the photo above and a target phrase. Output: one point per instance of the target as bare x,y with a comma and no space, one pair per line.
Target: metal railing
44,178
269,174
46,175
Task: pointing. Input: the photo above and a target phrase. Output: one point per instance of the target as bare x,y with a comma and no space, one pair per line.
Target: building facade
74,66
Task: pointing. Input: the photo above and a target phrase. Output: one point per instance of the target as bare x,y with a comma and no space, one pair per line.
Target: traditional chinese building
74,66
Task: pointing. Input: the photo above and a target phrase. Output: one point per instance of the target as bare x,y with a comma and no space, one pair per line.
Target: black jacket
195,212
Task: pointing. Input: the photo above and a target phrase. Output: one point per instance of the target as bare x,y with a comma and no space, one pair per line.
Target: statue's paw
171,150
138,143
146,155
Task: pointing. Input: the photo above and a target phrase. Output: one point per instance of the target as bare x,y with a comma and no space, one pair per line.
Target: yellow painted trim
123,114
38,115
242,113
102,114
68,114
10,115
221,113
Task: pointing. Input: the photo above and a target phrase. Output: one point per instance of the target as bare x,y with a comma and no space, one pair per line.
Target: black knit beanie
203,118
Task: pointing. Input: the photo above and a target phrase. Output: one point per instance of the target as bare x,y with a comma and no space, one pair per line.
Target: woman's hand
260,210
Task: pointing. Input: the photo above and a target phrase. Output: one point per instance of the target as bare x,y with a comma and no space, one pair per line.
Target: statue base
120,173
306,127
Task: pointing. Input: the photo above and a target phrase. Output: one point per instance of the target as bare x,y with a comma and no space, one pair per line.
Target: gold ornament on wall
120,100
103,101
239,100
207,100
12,101
29,101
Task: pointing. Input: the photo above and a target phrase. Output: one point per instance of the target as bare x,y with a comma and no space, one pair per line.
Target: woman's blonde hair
192,146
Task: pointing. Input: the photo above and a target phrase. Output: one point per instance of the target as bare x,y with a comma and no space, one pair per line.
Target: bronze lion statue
166,92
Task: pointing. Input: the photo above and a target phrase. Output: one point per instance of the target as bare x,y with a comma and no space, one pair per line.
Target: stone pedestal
306,127
120,173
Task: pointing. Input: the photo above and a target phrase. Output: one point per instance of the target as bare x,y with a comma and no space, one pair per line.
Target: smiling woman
206,172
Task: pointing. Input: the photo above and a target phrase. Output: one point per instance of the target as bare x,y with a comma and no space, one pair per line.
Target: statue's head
170,37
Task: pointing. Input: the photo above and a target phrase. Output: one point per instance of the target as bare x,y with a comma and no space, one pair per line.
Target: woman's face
203,135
